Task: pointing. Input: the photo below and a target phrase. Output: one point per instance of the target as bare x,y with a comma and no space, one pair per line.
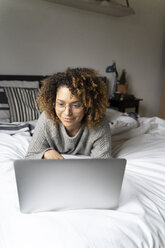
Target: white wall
38,37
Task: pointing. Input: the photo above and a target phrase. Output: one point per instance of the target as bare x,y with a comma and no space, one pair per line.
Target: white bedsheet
139,222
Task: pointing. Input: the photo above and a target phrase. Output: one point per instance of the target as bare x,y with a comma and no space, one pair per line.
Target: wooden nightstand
123,103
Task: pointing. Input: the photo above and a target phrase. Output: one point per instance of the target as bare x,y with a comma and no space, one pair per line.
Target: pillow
112,114
22,104
4,106
19,84
4,113
15,128
120,122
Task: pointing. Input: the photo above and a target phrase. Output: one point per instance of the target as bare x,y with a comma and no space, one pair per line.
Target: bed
139,221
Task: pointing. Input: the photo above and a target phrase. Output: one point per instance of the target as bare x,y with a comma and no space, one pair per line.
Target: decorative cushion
4,106
121,122
22,104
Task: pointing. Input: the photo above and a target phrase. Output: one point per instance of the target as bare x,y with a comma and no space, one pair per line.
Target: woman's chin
67,123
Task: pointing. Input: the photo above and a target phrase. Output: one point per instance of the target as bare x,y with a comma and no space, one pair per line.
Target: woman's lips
68,119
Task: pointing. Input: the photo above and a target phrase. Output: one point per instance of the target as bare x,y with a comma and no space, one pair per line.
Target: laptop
67,184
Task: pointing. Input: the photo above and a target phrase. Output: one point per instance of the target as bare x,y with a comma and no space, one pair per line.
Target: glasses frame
71,107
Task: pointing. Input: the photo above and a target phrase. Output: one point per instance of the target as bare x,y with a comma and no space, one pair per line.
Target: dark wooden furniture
123,103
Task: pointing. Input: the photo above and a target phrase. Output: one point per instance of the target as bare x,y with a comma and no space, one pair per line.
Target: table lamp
110,69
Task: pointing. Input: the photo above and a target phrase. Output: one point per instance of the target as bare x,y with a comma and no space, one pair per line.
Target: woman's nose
68,110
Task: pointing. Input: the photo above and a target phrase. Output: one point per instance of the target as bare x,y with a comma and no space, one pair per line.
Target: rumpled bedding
139,222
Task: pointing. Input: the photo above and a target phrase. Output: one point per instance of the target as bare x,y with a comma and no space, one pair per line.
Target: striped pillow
22,104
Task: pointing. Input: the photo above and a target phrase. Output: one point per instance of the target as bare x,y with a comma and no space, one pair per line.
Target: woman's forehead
64,93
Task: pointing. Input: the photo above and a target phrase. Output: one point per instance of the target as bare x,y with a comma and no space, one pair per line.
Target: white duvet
138,222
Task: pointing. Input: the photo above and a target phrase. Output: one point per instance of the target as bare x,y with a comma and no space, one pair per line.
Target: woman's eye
76,105
60,104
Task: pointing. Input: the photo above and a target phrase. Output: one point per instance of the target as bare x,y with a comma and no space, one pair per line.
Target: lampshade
111,69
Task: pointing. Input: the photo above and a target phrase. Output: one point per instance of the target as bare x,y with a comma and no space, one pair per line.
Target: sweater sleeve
101,141
39,143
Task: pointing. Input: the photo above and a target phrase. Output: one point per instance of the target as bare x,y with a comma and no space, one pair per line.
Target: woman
73,106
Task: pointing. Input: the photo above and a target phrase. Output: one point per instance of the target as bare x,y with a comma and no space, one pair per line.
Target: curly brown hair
85,84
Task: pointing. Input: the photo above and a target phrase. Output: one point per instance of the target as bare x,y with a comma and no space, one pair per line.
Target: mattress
139,221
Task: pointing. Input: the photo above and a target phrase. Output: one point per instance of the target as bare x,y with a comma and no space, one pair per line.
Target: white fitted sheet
138,222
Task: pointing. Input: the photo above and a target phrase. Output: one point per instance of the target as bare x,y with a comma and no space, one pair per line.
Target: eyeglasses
74,107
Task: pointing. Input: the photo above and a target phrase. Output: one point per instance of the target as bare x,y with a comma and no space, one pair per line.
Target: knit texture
95,143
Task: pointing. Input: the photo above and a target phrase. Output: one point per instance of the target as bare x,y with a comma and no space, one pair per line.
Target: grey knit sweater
95,143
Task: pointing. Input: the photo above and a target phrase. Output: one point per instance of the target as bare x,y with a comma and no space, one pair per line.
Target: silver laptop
63,184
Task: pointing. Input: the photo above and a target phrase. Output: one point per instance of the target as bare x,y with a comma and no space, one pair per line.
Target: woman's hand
52,154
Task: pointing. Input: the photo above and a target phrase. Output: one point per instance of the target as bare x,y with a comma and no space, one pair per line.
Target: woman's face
69,110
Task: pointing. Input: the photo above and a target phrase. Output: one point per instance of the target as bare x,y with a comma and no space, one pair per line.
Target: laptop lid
47,185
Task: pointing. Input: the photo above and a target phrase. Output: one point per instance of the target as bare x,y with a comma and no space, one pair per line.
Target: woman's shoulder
44,121
102,128
104,123
46,124
105,120
100,132
43,117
